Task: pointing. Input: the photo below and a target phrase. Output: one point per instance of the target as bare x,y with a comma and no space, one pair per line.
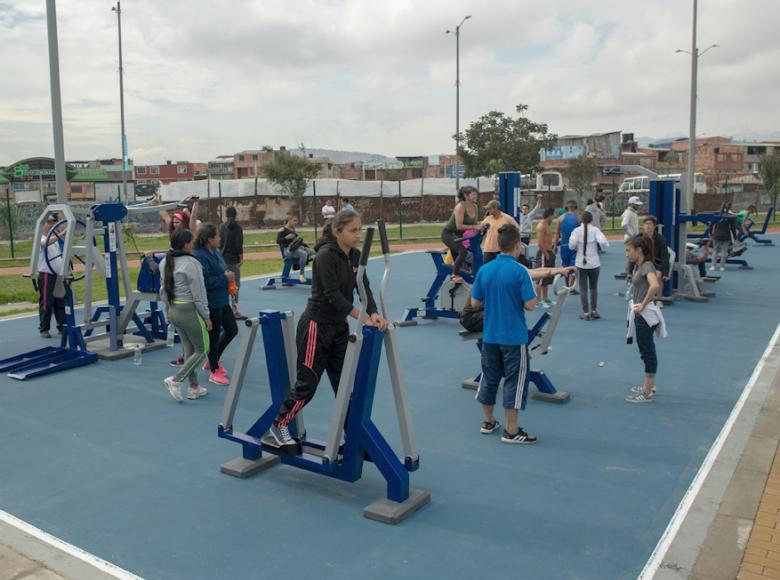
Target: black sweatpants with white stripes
321,348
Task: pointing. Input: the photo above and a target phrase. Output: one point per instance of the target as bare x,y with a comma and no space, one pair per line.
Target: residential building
221,167
170,172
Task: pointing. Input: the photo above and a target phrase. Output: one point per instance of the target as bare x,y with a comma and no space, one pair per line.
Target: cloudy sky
210,78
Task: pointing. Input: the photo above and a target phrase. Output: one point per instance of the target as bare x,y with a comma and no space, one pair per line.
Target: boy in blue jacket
216,275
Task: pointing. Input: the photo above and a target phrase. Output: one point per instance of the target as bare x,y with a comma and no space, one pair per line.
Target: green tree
498,141
769,169
292,174
582,172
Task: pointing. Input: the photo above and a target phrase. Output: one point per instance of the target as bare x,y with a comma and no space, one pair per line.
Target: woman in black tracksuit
323,330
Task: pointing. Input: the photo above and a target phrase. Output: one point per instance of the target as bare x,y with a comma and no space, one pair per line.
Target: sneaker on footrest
281,438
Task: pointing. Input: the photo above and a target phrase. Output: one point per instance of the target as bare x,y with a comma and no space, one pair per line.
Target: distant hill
346,156
649,141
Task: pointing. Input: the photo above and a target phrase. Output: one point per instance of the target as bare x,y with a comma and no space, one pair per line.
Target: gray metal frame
396,374
549,329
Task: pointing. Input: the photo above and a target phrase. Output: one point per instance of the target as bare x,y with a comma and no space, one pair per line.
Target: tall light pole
118,10
690,178
457,99
56,103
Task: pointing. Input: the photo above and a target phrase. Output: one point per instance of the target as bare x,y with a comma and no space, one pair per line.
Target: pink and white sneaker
219,379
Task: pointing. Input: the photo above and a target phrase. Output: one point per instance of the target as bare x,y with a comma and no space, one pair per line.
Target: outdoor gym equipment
82,227
451,295
539,339
362,440
289,264
664,203
753,235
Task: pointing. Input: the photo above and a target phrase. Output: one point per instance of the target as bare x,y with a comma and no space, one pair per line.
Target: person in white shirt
586,239
48,304
328,211
630,224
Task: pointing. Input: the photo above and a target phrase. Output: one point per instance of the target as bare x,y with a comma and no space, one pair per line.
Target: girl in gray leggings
184,293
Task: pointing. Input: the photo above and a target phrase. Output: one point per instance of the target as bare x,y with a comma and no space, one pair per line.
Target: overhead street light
118,10
457,98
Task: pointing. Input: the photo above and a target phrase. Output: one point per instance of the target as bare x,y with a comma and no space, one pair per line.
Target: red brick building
170,172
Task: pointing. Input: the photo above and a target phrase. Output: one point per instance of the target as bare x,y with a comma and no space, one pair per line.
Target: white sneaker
302,279
722,269
641,389
196,392
174,388
713,268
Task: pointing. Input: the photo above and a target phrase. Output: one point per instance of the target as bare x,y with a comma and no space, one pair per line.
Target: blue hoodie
214,268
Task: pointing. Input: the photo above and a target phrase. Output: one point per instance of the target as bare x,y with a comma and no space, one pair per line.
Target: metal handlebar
559,288
383,236
366,246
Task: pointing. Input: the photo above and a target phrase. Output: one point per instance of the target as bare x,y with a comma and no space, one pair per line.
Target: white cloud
376,76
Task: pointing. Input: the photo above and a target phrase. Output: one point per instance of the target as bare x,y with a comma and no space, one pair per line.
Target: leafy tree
581,172
498,141
292,174
769,169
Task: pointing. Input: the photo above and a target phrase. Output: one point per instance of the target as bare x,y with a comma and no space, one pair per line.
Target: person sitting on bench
293,245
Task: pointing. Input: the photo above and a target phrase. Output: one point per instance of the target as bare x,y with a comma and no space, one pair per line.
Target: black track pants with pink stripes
321,347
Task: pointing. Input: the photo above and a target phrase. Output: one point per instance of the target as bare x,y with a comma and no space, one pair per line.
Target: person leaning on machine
506,289
323,331
48,301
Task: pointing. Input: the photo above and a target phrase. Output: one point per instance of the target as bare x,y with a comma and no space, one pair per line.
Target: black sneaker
621,276
45,334
178,362
521,437
594,315
489,427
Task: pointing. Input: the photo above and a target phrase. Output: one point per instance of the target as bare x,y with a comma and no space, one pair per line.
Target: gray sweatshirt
527,221
188,285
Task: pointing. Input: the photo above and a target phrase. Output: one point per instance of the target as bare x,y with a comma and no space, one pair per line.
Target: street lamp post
118,11
56,103
689,182
457,99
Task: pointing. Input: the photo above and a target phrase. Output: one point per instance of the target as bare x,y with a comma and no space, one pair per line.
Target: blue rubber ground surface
103,458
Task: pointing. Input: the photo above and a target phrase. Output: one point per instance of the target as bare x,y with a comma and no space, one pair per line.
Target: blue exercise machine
664,203
539,339
336,457
753,235
83,225
451,296
290,263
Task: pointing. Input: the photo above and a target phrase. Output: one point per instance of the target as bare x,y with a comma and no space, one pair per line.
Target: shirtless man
546,256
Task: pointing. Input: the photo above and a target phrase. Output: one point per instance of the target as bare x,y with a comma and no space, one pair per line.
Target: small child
506,289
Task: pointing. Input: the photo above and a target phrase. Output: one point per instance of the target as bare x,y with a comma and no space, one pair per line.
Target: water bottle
170,339
137,355
628,294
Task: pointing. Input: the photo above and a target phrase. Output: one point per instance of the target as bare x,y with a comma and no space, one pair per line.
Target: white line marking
70,549
656,558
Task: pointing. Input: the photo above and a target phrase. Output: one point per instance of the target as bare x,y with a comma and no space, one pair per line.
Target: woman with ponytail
323,331
586,239
184,294
644,317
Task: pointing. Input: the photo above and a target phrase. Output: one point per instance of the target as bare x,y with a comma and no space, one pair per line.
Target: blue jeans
302,257
509,363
